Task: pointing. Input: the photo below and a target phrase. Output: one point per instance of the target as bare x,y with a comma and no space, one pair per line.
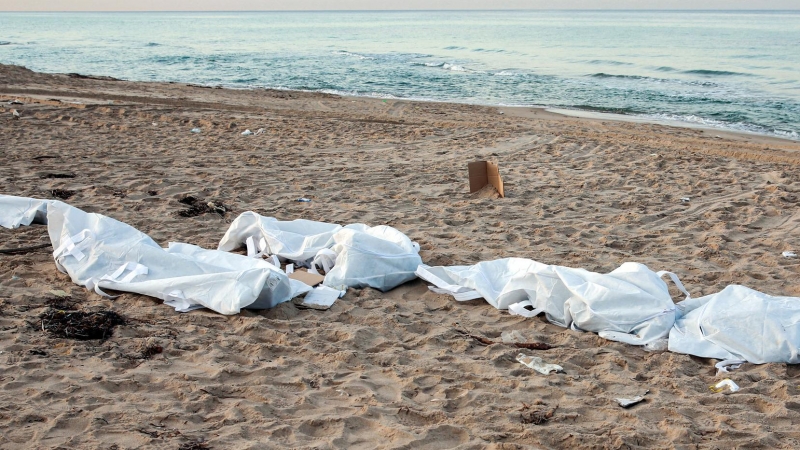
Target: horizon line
398,10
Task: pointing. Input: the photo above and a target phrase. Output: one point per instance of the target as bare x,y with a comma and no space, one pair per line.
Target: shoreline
519,110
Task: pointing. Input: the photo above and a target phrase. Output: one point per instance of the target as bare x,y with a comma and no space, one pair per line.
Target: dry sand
384,370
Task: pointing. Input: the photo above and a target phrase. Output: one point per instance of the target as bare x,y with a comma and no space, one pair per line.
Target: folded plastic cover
379,257
102,253
631,304
296,240
739,323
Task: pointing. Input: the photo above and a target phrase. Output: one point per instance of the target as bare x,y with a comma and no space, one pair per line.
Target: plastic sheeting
378,257
356,255
102,253
296,240
631,304
739,323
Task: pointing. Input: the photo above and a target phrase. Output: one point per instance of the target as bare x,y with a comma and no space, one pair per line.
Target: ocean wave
666,69
5,42
630,77
352,55
442,65
152,44
609,62
715,73
455,47
724,125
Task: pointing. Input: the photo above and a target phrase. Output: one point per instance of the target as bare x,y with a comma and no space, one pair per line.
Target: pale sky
268,5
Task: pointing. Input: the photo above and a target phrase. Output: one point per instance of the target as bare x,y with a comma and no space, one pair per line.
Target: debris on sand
80,325
198,207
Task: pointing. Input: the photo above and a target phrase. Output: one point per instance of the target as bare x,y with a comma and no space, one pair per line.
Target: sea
731,70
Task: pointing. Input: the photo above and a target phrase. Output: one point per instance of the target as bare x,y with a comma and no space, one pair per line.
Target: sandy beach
395,369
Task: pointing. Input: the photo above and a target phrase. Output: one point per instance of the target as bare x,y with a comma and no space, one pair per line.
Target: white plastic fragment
789,254
732,364
628,402
685,199
727,382
512,337
303,200
259,131
659,345
196,130
246,133
537,364
322,296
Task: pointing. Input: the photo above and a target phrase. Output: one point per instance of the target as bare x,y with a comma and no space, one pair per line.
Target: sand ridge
387,370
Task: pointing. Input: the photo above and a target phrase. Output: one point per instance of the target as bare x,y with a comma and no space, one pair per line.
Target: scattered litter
59,293
659,345
198,208
303,200
155,124
732,364
80,325
512,337
15,102
321,298
727,382
14,278
628,402
246,133
259,131
196,130
654,154
685,199
482,173
789,254
536,363
15,114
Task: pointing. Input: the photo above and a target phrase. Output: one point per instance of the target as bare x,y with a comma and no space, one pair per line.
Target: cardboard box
482,173
311,279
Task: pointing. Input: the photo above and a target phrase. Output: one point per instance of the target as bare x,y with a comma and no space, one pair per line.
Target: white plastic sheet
17,211
296,240
631,304
102,253
739,323
356,255
380,257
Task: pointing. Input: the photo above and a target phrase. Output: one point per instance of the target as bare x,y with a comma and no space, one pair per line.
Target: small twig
23,249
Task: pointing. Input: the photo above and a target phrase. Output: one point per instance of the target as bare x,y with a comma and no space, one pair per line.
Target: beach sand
396,369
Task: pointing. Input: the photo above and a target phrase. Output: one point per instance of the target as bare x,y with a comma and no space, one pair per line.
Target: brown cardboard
311,279
482,173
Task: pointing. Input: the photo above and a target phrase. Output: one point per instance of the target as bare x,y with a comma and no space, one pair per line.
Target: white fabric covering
631,304
357,255
101,253
17,211
296,240
739,323
379,257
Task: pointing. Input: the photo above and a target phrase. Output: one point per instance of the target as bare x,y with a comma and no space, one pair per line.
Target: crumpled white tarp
739,323
102,253
296,240
631,304
379,257
356,255
17,211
